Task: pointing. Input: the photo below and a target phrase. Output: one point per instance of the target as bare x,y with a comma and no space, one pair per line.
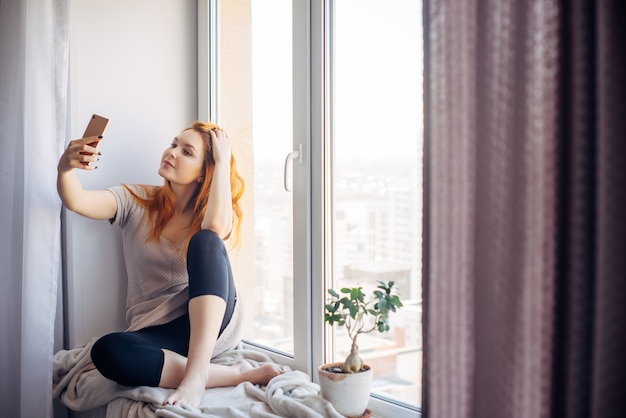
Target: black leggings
136,358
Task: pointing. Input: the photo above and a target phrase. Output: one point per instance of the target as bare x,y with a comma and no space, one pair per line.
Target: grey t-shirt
157,272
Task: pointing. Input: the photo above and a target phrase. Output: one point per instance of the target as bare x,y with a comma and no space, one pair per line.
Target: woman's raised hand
80,153
220,145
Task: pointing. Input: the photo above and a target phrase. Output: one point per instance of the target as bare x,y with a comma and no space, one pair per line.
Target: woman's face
182,162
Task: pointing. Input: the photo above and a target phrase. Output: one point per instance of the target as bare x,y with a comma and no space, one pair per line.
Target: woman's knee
206,250
206,240
111,352
105,353
103,349
120,358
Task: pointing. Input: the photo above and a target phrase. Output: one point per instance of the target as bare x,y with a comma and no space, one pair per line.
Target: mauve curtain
525,209
33,99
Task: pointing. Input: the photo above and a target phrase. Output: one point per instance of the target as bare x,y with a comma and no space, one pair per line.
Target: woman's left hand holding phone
80,153
83,153
95,204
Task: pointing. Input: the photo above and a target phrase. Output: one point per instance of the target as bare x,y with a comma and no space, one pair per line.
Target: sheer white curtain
33,101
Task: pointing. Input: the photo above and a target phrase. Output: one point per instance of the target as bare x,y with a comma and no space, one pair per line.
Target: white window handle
290,157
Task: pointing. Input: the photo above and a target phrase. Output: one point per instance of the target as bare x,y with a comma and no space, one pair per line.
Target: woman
173,245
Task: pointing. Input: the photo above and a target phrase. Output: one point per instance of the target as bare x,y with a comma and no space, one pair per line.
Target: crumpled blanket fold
292,394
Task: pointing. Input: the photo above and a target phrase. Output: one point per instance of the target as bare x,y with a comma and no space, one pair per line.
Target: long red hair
160,200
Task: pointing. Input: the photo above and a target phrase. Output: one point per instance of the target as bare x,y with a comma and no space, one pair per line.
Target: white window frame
208,70
304,357
311,180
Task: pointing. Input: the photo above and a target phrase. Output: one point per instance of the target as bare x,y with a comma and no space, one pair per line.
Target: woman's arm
219,213
95,204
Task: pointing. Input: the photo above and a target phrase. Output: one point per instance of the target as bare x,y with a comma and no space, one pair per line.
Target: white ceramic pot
348,392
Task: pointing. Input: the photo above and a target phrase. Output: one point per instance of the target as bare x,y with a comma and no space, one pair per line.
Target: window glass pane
377,131
256,96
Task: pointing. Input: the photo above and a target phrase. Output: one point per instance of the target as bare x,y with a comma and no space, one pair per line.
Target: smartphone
97,126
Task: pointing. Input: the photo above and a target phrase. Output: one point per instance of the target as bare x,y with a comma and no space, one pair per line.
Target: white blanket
292,394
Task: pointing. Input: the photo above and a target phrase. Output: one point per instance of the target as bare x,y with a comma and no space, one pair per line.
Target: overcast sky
377,94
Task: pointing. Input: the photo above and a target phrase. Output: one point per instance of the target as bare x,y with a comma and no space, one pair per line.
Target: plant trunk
353,363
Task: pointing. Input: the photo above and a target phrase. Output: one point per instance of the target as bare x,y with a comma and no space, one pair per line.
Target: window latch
289,161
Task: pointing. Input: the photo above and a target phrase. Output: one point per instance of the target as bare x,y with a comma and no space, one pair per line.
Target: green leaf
353,311
395,300
333,293
382,305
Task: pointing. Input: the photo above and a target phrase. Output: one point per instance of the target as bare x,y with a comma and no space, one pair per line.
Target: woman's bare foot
261,375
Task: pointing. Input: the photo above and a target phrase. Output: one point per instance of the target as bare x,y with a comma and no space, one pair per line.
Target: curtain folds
525,168
34,48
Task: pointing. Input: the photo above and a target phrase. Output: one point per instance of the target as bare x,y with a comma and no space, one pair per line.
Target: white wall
134,62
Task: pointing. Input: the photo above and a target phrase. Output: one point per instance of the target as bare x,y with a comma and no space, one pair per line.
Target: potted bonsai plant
347,384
